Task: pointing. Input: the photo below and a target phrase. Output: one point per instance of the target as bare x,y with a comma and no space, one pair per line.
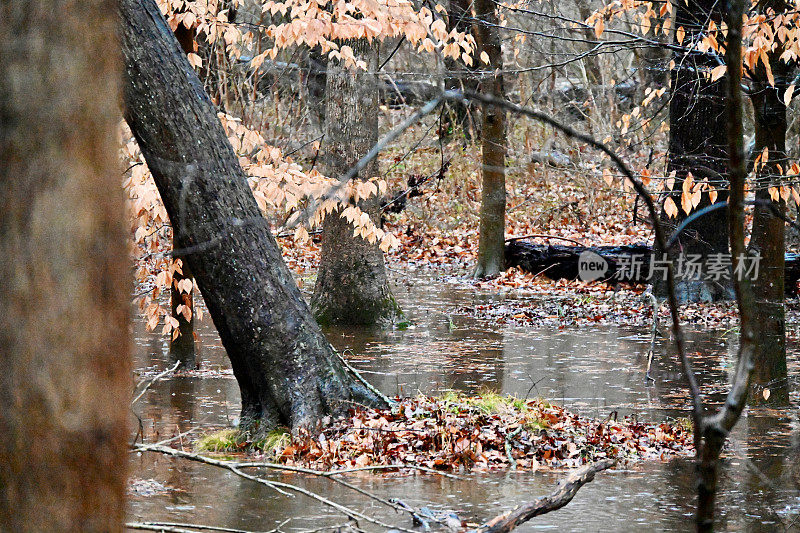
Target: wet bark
352,286
493,147
697,144
767,238
712,430
64,300
287,372
181,348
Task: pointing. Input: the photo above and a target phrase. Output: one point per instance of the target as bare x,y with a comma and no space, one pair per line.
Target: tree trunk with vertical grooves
491,246
352,287
767,236
181,348
697,144
64,300
288,374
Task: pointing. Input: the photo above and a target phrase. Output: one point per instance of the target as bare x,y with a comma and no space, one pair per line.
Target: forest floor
438,233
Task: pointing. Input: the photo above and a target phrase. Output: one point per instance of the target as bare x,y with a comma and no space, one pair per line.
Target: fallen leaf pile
480,433
537,301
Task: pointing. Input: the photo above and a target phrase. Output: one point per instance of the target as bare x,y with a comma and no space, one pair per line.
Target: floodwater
595,371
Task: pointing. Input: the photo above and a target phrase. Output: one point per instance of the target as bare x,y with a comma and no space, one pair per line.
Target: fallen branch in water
556,500
653,333
177,527
278,486
156,378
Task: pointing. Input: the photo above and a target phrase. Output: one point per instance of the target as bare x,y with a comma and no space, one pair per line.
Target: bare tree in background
491,247
352,286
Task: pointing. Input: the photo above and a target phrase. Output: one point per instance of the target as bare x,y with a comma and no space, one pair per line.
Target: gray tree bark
64,300
351,287
491,245
288,374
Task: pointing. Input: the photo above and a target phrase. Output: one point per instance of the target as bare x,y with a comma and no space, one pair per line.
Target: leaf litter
454,432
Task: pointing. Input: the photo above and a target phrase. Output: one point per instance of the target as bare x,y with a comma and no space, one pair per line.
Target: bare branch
178,527
156,378
278,486
556,500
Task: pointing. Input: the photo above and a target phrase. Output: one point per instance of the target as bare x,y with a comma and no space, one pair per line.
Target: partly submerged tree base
487,269
352,287
384,313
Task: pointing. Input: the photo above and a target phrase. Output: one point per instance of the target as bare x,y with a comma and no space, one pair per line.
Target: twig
163,529
537,236
156,378
363,381
556,500
175,526
653,332
511,461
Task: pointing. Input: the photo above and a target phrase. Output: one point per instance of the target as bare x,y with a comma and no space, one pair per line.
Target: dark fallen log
614,264
556,500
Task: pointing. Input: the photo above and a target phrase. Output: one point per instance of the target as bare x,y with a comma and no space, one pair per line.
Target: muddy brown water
594,370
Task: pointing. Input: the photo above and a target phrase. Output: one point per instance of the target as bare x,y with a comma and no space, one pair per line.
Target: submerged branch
555,500
180,527
156,378
279,486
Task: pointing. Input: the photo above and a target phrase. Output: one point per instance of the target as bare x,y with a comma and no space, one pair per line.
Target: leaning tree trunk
64,304
767,236
352,287
491,244
287,372
697,144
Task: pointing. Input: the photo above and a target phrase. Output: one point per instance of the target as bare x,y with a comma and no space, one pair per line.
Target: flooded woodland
598,371
308,266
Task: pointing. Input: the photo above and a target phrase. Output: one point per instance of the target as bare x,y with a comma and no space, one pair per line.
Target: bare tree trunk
352,287
493,145
314,80
711,431
697,145
64,300
767,235
287,372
